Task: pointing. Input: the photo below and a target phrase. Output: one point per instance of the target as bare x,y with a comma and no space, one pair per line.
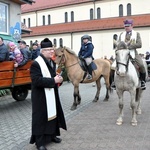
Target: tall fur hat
46,43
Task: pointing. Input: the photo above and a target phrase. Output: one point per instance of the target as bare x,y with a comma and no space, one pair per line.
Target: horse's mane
70,51
121,45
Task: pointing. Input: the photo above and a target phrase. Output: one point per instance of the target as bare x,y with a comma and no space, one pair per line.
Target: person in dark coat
47,113
86,53
4,52
35,50
25,52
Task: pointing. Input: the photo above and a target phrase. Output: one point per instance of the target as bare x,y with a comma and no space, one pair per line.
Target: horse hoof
73,108
105,100
138,112
95,100
78,103
134,123
119,123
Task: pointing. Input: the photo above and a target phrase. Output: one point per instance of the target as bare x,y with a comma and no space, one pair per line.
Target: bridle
63,58
126,65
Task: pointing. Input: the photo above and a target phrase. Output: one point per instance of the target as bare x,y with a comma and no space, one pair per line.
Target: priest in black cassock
47,113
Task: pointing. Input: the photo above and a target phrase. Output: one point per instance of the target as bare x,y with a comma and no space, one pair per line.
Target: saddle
84,66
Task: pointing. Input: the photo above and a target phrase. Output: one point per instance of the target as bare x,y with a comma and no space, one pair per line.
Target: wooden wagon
16,79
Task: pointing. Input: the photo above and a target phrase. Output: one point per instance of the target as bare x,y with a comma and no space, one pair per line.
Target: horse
76,74
127,79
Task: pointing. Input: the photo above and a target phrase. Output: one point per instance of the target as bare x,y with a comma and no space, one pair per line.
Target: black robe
40,124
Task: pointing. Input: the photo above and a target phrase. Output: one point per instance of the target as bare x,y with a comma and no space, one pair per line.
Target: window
55,43
61,42
128,9
29,24
72,16
49,19
120,10
3,18
43,20
98,13
66,17
24,21
91,14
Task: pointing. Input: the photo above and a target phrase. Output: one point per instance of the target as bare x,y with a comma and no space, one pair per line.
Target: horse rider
133,42
86,52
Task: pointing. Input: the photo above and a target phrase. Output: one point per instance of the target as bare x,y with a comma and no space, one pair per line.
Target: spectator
15,54
147,57
4,53
35,51
25,52
105,57
112,58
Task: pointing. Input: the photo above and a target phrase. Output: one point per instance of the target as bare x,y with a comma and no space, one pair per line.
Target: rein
72,64
66,66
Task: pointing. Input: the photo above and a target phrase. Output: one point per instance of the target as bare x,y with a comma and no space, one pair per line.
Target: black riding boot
89,76
143,80
113,86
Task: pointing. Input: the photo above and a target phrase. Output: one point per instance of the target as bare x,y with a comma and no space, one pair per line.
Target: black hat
23,42
46,43
35,44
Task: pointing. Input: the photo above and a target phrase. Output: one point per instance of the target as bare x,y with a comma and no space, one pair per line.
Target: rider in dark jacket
86,52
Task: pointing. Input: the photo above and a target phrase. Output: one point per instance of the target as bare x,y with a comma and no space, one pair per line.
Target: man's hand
128,43
58,79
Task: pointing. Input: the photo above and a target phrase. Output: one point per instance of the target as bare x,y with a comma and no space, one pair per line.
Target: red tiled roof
45,4
90,25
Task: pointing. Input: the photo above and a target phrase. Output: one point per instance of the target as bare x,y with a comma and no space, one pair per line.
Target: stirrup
89,77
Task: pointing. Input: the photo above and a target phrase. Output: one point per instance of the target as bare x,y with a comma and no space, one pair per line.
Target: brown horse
76,74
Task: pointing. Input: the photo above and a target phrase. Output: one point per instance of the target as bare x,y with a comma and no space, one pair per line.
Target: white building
66,21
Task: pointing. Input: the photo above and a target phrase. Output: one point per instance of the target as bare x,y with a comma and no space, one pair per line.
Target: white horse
126,79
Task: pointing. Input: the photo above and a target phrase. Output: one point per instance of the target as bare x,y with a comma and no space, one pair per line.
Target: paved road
91,126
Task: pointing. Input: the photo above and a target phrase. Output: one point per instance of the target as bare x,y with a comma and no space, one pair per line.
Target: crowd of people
18,52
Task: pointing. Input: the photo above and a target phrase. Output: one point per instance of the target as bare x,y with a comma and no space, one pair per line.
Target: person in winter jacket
86,52
4,53
35,51
15,54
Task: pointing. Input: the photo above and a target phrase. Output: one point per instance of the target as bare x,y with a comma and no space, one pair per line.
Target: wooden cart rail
11,76
15,79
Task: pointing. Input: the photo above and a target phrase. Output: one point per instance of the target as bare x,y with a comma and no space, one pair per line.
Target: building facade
10,18
66,21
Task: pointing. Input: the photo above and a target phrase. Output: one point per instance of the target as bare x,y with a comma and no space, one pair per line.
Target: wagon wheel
19,93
